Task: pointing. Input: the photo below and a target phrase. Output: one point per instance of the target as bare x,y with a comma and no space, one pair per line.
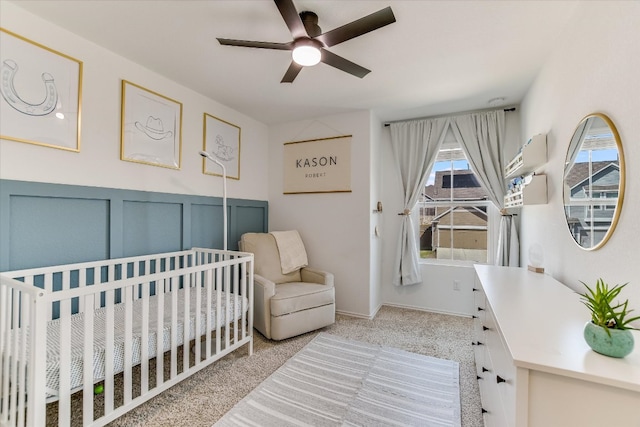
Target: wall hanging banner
317,166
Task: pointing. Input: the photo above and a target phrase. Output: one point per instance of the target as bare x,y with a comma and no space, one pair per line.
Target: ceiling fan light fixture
306,53
311,46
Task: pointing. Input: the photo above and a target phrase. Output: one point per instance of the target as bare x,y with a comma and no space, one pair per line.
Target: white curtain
415,145
482,138
508,244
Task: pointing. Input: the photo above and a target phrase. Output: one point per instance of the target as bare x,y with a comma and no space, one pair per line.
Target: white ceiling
439,57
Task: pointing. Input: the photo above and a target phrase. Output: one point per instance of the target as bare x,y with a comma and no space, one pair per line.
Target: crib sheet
227,315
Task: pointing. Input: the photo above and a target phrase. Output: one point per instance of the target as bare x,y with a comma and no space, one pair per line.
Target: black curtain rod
506,110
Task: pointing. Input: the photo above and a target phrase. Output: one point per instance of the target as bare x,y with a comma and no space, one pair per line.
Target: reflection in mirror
593,181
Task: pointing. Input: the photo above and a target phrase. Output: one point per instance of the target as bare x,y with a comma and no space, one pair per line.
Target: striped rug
334,381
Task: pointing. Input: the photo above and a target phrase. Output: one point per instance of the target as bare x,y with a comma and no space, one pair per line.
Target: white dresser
534,367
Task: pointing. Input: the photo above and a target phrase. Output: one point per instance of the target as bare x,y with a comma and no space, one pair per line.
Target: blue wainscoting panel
57,231
151,227
207,226
247,219
44,224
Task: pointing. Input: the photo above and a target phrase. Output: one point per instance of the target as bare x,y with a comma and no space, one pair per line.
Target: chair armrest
265,286
312,275
263,290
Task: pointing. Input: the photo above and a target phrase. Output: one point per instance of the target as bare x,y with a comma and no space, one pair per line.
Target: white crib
67,328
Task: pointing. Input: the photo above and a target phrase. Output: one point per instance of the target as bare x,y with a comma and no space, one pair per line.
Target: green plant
604,312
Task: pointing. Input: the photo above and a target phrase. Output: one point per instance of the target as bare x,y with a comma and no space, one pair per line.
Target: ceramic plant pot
618,344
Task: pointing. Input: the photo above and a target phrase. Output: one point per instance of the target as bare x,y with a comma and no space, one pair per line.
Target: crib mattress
227,314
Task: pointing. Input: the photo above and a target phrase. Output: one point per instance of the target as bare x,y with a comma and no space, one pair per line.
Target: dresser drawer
478,336
480,357
479,303
495,412
504,371
479,339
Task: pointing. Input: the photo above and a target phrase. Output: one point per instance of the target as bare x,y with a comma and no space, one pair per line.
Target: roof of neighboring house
580,171
437,191
474,211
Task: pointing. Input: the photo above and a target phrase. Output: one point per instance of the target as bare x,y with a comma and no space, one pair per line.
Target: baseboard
357,315
408,307
428,310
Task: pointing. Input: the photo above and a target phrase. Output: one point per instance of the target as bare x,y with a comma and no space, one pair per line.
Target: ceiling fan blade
259,45
292,73
357,28
345,65
291,18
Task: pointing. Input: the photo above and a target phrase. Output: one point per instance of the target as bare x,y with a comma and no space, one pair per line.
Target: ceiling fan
309,43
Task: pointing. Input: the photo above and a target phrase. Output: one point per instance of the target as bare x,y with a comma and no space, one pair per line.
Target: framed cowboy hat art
151,128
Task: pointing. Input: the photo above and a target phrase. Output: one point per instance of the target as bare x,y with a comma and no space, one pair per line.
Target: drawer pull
484,411
476,343
499,379
478,377
485,369
485,328
480,309
473,316
475,290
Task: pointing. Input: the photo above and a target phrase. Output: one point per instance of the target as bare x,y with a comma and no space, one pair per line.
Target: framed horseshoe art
41,94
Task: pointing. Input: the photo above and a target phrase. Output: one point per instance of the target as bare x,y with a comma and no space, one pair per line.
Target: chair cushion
297,296
266,257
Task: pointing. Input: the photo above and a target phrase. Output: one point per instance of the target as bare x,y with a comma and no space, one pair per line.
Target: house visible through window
453,209
593,187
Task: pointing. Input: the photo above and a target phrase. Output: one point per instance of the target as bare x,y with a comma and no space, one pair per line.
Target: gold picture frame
151,127
41,94
222,141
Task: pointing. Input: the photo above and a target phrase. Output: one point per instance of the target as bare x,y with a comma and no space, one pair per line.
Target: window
454,220
593,189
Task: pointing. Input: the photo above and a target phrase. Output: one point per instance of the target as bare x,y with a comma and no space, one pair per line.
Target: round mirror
593,181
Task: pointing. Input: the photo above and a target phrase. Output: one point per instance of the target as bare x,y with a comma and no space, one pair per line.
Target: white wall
335,227
98,163
595,68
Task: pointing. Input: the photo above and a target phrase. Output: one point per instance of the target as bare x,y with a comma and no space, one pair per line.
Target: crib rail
21,309
135,326
65,277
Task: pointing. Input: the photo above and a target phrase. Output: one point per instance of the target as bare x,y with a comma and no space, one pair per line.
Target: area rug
334,381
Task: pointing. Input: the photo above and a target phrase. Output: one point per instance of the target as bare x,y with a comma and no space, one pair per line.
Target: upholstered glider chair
289,297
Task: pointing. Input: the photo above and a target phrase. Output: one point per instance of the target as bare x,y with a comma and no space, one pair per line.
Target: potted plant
608,332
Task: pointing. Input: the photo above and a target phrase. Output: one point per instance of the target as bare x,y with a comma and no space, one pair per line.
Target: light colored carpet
334,381
206,396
